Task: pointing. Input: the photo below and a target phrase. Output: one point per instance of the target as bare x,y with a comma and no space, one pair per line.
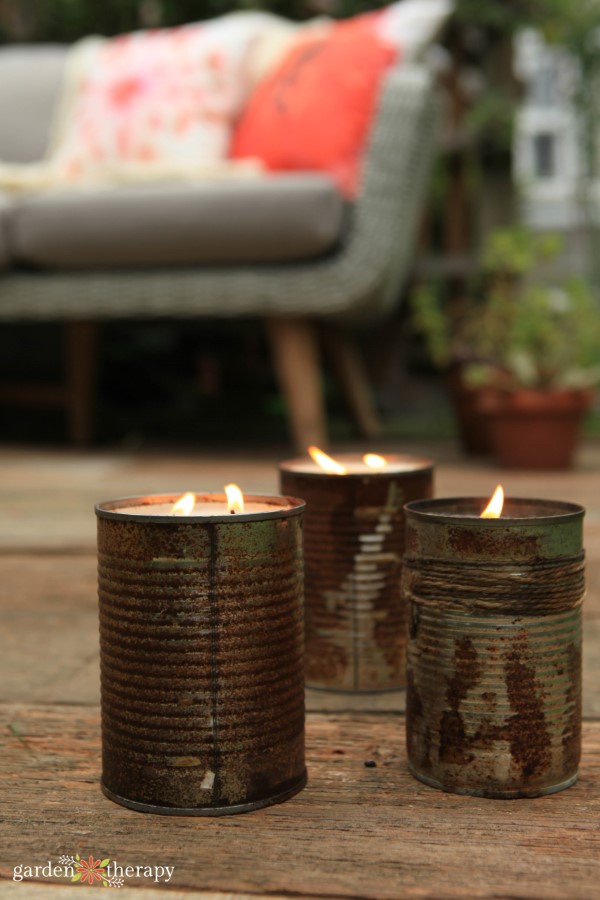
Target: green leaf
104,862
105,883
76,877
77,857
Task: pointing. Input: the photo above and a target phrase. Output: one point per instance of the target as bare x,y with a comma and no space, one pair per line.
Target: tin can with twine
494,649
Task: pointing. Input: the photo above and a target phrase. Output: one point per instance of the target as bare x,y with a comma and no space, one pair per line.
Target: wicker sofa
349,269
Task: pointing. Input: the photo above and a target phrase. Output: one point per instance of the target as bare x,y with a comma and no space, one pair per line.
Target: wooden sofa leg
295,350
349,368
80,368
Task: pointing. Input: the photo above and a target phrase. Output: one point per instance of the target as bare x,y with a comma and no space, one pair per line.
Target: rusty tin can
201,657
494,653
355,618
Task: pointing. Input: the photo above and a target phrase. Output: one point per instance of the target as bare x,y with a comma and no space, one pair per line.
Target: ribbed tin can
355,618
494,653
201,657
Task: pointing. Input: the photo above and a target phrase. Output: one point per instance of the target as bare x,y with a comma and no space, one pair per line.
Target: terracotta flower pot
535,429
473,430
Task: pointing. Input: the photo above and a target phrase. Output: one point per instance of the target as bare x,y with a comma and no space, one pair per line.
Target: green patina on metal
453,529
494,655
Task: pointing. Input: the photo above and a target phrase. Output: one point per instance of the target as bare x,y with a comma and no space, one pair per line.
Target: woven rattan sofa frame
359,283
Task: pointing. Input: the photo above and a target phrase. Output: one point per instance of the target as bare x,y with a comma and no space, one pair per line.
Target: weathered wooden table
354,832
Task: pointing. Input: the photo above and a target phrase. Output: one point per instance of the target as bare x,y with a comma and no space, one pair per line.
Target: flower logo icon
90,871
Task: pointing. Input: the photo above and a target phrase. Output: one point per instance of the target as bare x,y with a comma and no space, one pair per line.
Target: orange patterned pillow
315,110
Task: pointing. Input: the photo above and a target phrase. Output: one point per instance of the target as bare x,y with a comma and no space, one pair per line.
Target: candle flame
494,508
184,506
235,498
375,461
326,462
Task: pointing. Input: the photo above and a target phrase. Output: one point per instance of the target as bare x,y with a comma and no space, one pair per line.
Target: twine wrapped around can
356,620
201,657
494,651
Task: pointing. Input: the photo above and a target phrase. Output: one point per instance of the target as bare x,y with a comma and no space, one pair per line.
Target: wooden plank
47,499
332,702
591,668
354,832
24,890
49,624
459,478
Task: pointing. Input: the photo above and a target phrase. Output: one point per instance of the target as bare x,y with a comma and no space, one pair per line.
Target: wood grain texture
47,497
24,890
31,890
354,832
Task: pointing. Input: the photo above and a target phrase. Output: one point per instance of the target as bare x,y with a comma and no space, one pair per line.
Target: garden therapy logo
91,871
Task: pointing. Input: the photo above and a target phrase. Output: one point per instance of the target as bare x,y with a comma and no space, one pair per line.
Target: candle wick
232,512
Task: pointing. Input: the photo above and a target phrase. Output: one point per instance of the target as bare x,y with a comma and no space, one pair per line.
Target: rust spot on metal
467,671
413,700
354,533
418,734
487,734
530,743
473,542
454,743
327,661
453,739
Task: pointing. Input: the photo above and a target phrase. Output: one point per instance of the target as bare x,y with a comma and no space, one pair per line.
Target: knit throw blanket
155,105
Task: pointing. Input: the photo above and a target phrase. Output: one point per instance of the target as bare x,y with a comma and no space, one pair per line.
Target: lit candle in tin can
494,652
201,638
356,620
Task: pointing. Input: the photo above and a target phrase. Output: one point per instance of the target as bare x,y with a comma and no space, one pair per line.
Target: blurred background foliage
564,21
66,20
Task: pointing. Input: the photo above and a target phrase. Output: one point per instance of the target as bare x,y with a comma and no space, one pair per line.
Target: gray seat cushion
269,219
30,78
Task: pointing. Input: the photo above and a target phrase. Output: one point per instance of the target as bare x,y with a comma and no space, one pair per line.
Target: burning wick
375,461
494,508
235,499
326,462
184,506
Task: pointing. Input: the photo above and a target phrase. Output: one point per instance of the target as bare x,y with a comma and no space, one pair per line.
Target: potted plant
441,322
528,352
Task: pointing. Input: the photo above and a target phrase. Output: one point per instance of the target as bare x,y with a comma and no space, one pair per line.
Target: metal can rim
422,465
439,511
111,509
